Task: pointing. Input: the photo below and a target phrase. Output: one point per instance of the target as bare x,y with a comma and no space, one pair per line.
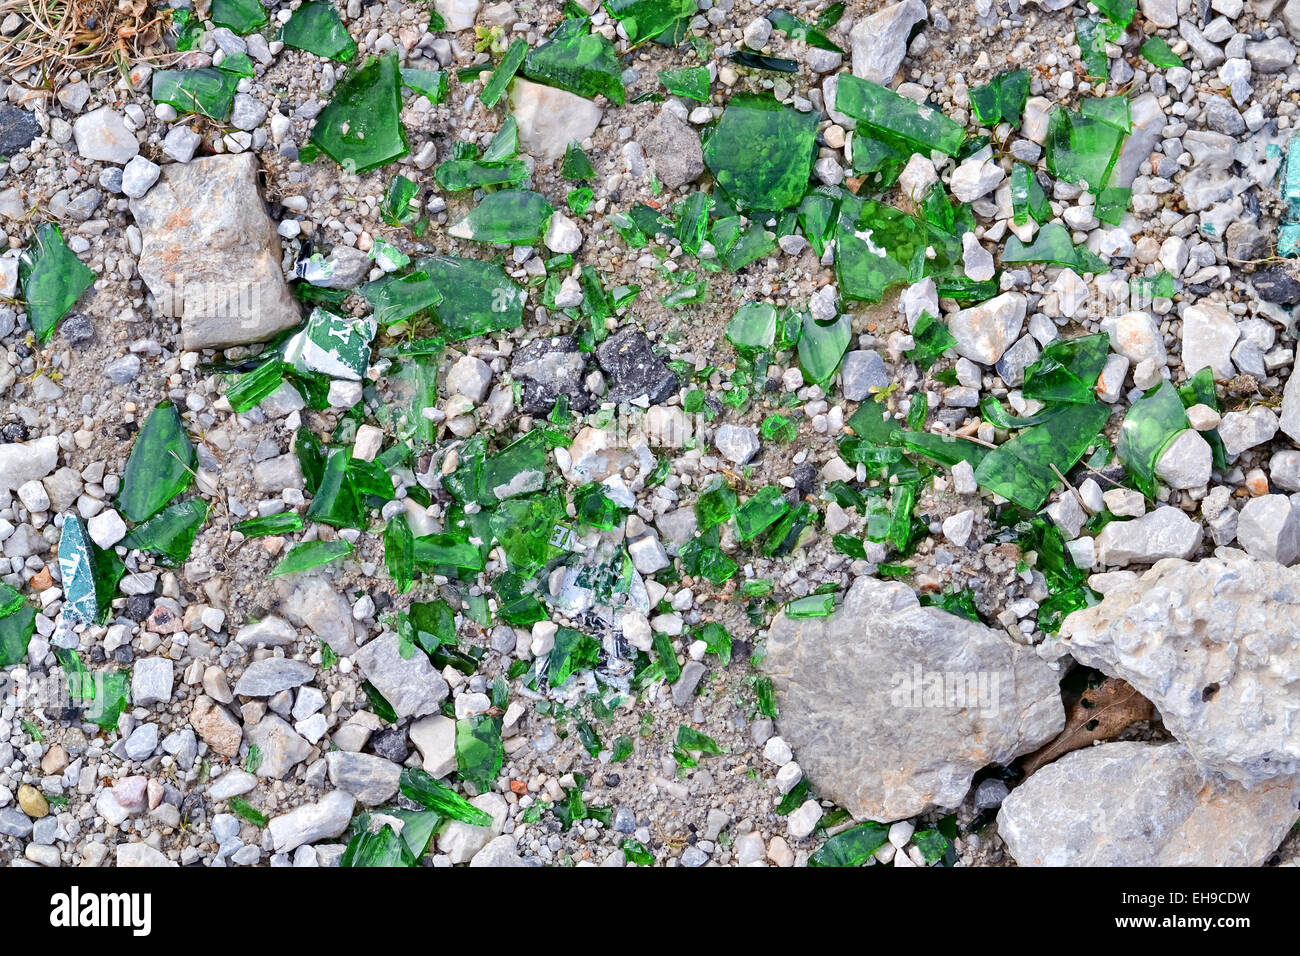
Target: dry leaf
1100,714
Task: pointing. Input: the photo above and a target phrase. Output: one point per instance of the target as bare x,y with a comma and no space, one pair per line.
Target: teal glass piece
1021,470
51,278
883,110
361,128
761,152
89,575
317,28
396,298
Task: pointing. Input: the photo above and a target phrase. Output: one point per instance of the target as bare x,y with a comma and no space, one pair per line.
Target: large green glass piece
478,296
753,328
89,574
51,278
207,91
333,345
760,512
1082,149
595,508
691,82
1111,110
249,389
170,533
377,848
460,174
1152,422
1067,370
397,298
923,127
241,16
336,501
693,221
573,652
645,19
1021,470
317,28
431,84
399,552
852,847
417,785
312,554
446,550
161,465
516,216
1053,244
1002,99
518,469
361,128
822,345
504,73
524,529
1090,34
586,65
761,152
479,752
881,247
17,625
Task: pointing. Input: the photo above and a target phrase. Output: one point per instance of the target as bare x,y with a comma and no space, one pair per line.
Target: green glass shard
589,739
883,110
379,848
1024,469
241,16
208,91
333,345
1001,100
695,740
446,550
311,458
312,554
931,338
1091,37
579,199
822,345
242,808
518,469
778,428
576,165
879,158
517,216
1119,12
396,298
881,247
89,574
399,552
758,61
851,847
945,449
189,30
797,29
504,73
17,625
955,220
1081,149
286,522
400,207
249,389
458,174
161,465
478,296
961,603
701,558
636,853
1111,110
105,693
749,245
762,510
51,278
479,752
690,82
1158,286
1067,370
1151,423
431,84
753,328
361,128
583,64
817,216
1112,204
1027,196
505,142
170,533
716,641
715,506
761,152
1053,244
1157,52
645,19
524,529
317,28
693,221
593,507
573,652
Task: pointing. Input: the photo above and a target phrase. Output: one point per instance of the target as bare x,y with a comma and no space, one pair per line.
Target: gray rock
1138,804
1271,56
736,443
1244,430
499,852
215,263
310,601
549,118
673,149
282,747
15,823
372,780
123,371
18,129
470,377
548,368
1212,644
1209,54
1011,367
152,679
1186,461
102,137
21,462
233,783
141,855
1209,333
246,113
183,745
325,819
180,143
268,677
684,689
410,685
1284,470
892,707
138,177
1268,528
142,742
1164,533
985,331
271,631
860,372
461,841
1289,420
1163,13
879,42
435,738
634,370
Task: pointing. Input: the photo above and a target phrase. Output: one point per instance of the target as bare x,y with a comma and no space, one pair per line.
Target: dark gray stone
634,369
547,369
17,129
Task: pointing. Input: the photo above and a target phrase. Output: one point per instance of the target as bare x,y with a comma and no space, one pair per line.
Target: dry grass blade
1100,714
57,37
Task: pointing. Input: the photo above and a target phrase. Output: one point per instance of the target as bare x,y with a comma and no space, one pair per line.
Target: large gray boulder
211,255
892,707
1215,645
1140,804
879,42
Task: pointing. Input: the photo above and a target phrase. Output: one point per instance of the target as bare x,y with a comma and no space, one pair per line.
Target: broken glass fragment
881,247
1053,244
1028,197
1002,99
883,110
822,345
1157,52
207,91
758,513
479,752
333,345
504,73
1081,149
573,652
17,625
1024,469
361,128
51,278
160,467
646,19
516,216
576,164
761,152
1067,370
931,339
585,64
753,328
240,16
851,847
89,574
286,522
691,82
1151,423
312,554
317,28
170,533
